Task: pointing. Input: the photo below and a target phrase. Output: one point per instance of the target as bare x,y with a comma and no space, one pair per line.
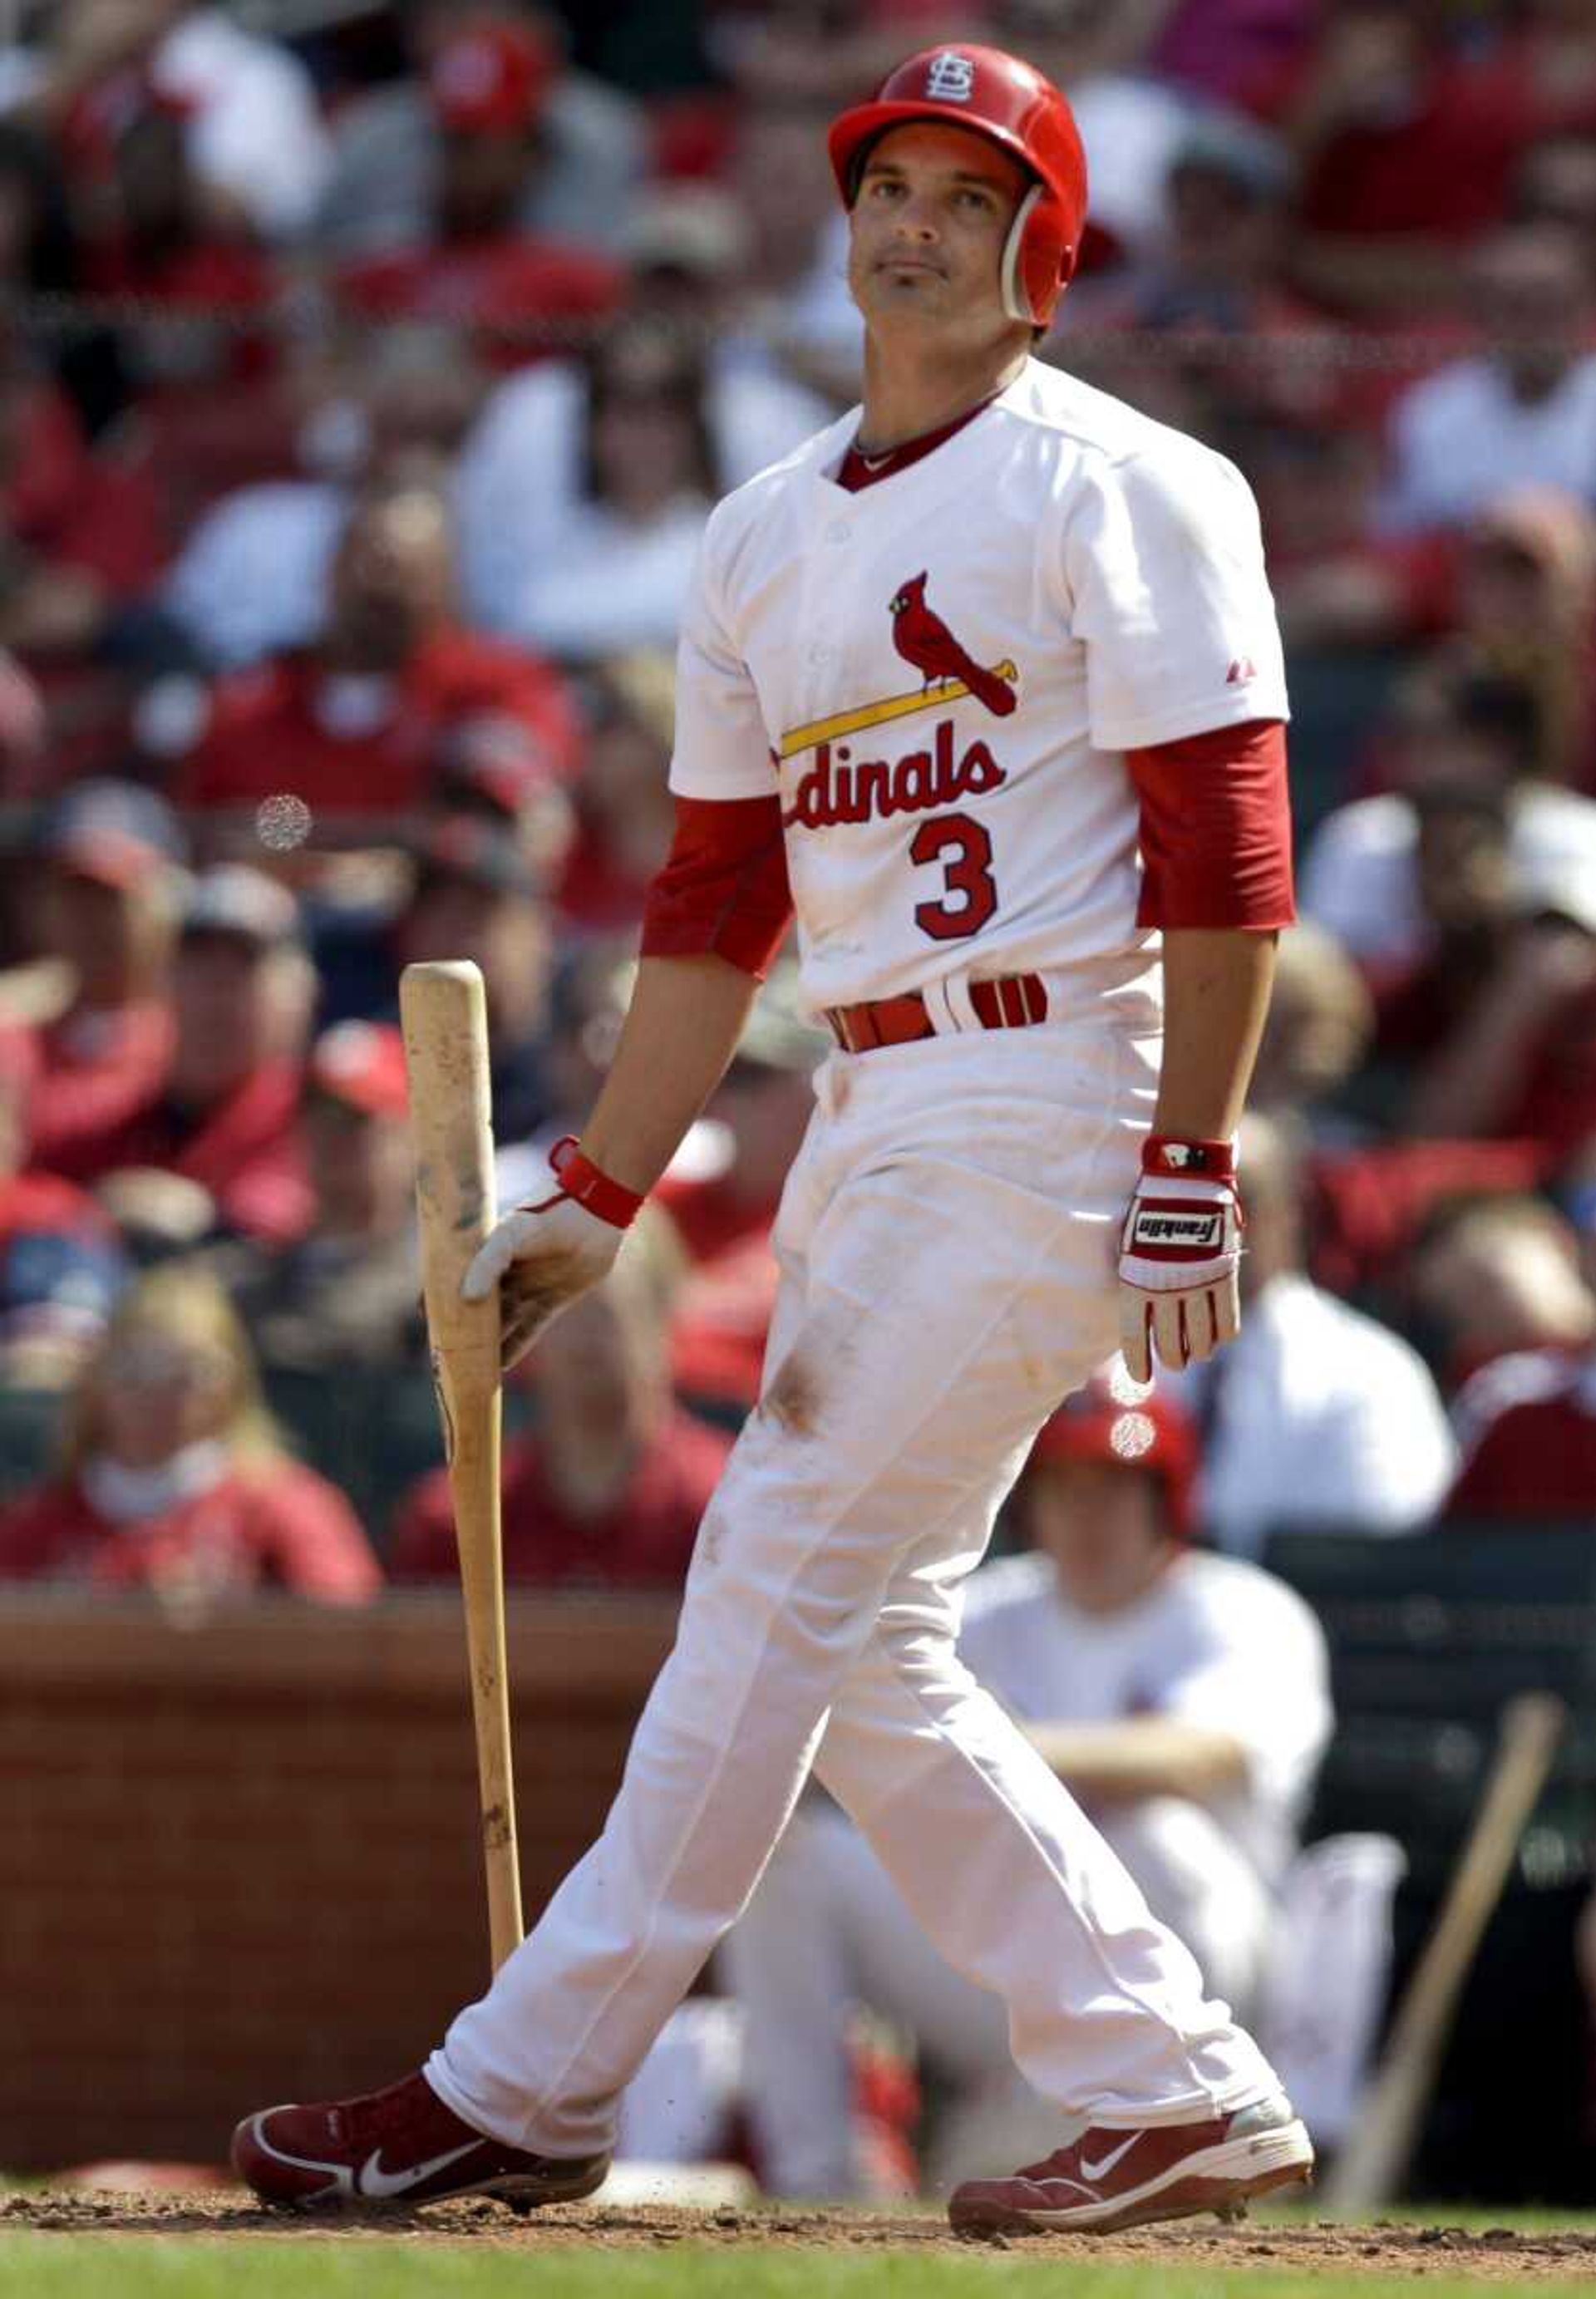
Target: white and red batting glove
1178,1256
543,1257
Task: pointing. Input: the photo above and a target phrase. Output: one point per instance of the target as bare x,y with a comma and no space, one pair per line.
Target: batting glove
1178,1256
543,1257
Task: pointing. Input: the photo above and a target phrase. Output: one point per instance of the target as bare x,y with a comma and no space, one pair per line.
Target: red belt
1012,1001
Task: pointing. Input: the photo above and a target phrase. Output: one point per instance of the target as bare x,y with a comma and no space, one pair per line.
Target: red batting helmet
1010,102
1148,1432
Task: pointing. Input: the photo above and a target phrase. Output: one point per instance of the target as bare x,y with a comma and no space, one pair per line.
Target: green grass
163,2267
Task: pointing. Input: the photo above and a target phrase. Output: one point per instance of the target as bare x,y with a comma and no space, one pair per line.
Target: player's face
927,231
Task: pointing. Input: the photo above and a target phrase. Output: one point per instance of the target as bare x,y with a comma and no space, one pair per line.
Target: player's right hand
543,1257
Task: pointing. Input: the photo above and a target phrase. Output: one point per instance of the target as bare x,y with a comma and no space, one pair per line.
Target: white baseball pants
828,1929
947,1242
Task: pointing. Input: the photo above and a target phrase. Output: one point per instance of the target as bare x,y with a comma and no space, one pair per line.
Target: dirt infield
1493,2254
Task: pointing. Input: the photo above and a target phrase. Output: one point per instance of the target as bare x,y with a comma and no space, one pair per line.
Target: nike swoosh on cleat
1100,2171
372,2180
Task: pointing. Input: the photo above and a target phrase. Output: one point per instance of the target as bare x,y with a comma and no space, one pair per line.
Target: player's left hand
1178,1256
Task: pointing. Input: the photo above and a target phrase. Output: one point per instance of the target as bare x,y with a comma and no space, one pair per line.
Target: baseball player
984,681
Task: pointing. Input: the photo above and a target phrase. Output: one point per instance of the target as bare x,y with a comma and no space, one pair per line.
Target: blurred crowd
365,394
366,387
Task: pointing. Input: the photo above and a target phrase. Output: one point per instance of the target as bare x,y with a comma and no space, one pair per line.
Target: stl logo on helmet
950,77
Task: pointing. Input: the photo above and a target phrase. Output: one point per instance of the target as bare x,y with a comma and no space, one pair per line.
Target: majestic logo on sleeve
840,787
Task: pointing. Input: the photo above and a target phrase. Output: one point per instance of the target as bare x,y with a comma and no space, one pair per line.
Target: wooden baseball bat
1370,2168
444,1019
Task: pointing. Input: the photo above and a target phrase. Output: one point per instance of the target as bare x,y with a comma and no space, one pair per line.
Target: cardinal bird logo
923,639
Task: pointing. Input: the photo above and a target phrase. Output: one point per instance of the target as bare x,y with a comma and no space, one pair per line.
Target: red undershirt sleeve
1216,829
723,888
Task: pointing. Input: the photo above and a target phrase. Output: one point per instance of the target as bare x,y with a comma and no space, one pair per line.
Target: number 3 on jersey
964,850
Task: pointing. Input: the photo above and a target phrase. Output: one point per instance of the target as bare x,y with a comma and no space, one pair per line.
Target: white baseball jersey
1215,1642
941,672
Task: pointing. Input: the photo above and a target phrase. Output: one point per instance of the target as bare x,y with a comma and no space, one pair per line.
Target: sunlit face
928,229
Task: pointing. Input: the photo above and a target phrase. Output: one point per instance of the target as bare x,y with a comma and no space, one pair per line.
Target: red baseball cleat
1108,2179
401,2146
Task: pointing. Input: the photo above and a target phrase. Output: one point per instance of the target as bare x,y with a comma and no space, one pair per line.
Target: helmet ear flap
1037,258
1013,274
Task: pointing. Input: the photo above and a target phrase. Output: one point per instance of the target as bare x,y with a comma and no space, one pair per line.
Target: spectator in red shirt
1408,148
1519,1059
161,245
607,1491
254,127
61,1263
354,725
173,1478
478,266
107,903
225,1114
1529,1429
79,533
